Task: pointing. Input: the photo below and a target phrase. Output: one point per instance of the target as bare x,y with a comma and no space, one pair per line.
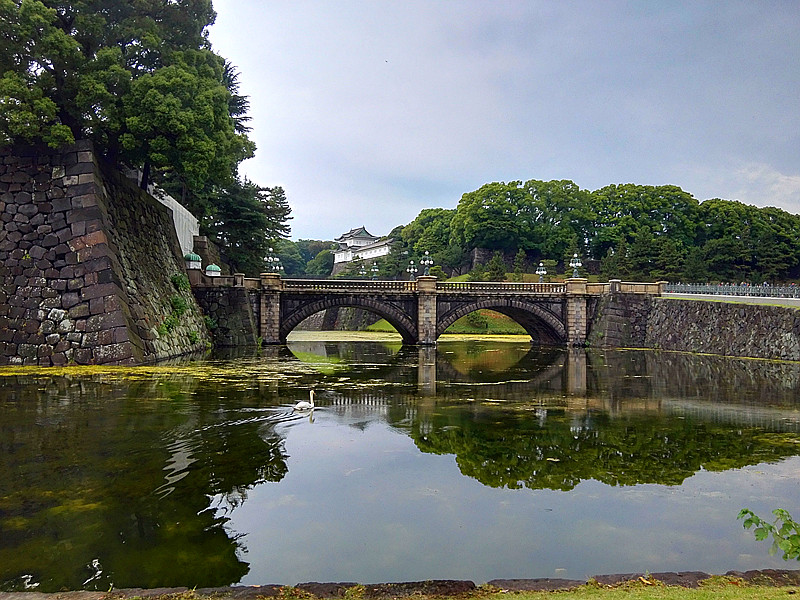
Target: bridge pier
269,328
576,313
426,310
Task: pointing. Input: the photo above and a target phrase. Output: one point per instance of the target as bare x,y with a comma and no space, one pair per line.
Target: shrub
784,530
179,305
181,282
477,320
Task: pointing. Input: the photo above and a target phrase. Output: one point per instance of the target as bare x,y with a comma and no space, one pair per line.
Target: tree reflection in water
130,477
109,483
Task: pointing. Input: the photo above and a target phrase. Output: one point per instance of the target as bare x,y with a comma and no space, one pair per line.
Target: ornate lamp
273,263
412,270
427,263
541,272
576,264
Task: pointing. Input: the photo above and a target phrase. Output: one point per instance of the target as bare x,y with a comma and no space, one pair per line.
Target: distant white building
360,244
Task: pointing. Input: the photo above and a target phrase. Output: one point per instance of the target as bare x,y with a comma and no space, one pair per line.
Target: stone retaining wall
752,330
233,313
86,265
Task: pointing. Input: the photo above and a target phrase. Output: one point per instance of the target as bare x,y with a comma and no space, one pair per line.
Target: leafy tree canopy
138,78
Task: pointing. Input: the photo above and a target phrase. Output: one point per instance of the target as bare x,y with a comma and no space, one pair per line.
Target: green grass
717,588
496,324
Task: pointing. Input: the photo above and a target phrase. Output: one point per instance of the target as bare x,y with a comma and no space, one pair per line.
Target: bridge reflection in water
722,389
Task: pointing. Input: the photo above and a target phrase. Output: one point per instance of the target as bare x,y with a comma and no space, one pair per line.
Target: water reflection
188,474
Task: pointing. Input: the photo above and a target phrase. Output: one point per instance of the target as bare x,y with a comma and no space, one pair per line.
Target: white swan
303,405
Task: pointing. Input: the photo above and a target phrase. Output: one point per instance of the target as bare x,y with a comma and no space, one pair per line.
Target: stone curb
436,587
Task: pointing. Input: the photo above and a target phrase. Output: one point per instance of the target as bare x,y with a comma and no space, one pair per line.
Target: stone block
99,290
113,353
96,306
27,350
66,326
83,356
50,240
105,321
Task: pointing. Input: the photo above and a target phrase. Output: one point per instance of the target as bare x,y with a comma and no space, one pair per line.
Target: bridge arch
394,315
541,324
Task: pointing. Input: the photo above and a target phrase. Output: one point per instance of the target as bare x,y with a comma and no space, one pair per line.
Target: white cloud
763,185
367,112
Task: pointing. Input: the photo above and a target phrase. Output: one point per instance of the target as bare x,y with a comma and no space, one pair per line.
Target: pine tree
519,265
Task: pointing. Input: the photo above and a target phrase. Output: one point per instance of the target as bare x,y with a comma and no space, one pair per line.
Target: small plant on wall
178,307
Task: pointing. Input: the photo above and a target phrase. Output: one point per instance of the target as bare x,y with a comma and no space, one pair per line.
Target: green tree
477,273
291,260
629,211
496,268
137,78
667,261
321,265
556,218
616,264
247,220
487,217
437,271
310,248
519,265
694,267
429,231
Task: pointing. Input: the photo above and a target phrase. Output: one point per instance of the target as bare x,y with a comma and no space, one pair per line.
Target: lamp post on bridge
412,270
362,272
273,263
541,272
374,270
427,263
576,264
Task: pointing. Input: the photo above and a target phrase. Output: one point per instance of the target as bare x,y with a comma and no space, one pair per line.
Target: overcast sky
367,111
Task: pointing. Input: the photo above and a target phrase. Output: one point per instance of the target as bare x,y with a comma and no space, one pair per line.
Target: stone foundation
87,262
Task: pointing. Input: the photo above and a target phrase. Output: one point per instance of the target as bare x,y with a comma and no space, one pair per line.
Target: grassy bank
480,322
716,588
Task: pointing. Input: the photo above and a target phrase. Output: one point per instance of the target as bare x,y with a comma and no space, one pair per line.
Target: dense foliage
628,231
141,81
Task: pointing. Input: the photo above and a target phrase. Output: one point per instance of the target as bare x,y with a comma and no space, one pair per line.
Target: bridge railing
630,287
345,285
198,279
493,287
725,289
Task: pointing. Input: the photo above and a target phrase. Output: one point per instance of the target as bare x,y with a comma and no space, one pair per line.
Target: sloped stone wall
752,330
86,265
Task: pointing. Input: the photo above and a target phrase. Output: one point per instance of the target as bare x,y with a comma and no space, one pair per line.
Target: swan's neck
311,396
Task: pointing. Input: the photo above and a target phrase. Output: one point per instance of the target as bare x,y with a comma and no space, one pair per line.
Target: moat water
475,460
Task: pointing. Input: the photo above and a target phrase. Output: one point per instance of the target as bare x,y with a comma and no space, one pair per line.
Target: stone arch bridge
421,310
